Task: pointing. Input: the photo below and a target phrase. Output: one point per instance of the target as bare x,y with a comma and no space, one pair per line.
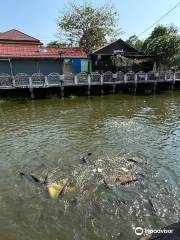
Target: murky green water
51,135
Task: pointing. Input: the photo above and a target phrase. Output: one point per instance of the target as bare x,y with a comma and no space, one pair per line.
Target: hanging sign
118,51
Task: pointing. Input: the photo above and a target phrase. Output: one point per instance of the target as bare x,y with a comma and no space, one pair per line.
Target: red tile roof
15,44
15,35
42,52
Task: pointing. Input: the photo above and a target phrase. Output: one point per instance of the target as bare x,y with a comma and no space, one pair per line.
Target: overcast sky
38,17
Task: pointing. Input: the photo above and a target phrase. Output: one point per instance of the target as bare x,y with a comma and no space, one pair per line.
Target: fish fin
34,178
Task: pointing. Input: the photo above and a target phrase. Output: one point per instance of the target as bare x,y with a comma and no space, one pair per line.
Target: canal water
137,136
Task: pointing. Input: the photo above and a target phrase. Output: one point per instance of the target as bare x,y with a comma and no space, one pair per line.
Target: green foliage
53,44
135,42
163,44
160,31
56,44
164,48
87,26
163,30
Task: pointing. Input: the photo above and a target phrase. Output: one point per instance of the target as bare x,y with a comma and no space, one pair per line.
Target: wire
159,19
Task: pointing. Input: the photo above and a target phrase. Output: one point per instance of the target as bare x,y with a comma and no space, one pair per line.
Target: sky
38,18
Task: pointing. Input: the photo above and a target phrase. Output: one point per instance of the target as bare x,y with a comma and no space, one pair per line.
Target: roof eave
41,57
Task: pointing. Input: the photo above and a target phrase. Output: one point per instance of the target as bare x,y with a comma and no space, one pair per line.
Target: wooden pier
41,86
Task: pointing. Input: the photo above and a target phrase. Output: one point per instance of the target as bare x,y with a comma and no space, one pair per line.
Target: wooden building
118,56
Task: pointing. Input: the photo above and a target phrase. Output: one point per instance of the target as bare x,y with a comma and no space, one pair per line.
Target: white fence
37,80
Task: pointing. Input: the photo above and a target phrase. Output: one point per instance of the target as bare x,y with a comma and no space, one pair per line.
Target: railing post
13,81
102,80
173,81
135,81
75,79
115,77
62,79
135,78
46,81
30,82
125,78
89,79
146,77
174,77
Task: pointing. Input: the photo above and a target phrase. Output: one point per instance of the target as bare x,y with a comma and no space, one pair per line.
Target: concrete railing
23,80
6,80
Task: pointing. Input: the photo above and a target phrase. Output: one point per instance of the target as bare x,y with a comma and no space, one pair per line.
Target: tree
56,44
135,42
87,26
163,44
160,31
163,30
164,48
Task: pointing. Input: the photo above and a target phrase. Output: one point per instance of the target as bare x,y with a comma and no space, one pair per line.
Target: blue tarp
76,66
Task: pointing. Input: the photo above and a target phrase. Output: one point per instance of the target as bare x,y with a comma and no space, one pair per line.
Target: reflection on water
51,135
